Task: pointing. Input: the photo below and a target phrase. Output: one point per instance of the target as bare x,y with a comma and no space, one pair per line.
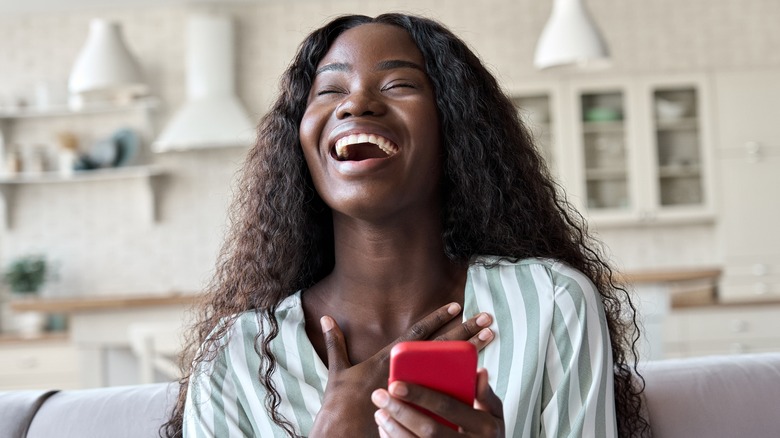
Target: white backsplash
100,240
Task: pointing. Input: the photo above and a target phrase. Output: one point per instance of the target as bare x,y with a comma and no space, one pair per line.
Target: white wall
94,232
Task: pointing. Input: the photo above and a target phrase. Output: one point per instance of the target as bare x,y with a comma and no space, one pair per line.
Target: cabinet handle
28,362
739,326
761,288
760,269
753,149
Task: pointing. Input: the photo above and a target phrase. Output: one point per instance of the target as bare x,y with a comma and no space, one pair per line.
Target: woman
393,194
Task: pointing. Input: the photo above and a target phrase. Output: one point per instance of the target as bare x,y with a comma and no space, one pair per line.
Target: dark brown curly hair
499,199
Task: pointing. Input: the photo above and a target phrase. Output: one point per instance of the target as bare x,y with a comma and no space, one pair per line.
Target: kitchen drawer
38,365
749,289
724,324
693,349
752,266
751,278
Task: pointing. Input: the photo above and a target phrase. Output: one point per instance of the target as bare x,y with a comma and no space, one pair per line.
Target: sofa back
116,412
714,397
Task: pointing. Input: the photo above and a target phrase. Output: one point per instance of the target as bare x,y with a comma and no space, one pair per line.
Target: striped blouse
550,361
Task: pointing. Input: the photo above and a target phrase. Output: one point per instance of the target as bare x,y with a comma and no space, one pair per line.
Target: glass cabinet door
604,140
677,147
535,112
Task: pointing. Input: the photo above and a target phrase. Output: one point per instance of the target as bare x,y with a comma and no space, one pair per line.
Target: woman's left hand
398,419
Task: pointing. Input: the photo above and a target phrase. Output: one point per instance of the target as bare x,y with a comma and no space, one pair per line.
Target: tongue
363,151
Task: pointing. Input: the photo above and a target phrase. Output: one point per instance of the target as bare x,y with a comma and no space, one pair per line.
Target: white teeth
384,144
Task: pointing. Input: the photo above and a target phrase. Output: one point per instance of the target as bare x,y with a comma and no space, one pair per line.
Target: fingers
398,419
382,433
425,327
389,427
474,330
485,399
335,345
471,419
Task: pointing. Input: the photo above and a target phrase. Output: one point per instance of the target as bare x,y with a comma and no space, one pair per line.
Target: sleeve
577,391
212,407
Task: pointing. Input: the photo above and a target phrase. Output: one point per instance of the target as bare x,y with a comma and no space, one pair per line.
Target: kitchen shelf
606,173
683,124
598,127
679,171
93,108
152,175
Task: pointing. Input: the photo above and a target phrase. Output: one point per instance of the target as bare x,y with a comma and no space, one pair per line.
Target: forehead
371,43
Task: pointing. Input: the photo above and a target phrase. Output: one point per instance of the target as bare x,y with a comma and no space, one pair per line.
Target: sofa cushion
130,411
17,409
717,396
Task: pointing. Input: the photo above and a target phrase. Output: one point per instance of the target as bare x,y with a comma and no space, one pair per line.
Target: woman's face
370,133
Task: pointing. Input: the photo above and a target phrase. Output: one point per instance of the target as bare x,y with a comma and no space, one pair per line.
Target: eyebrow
398,63
383,65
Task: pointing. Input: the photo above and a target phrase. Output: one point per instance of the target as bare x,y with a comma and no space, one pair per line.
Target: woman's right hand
346,406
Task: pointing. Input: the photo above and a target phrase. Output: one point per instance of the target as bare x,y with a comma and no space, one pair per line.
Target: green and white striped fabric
550,361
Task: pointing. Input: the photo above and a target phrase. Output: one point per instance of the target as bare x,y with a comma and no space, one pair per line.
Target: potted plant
25,277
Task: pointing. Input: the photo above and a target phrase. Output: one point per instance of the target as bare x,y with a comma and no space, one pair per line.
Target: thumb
335,345
486,400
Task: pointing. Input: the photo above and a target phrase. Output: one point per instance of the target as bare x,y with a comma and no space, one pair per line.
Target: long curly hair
498,199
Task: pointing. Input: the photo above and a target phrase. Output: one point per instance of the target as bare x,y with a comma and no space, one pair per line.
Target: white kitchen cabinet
627,151
541,108
748,157
45,363
723,329
641,150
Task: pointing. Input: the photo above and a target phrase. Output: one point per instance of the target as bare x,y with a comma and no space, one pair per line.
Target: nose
360,103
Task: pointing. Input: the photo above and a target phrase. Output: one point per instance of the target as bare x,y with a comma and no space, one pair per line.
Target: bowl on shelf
670,110
602,114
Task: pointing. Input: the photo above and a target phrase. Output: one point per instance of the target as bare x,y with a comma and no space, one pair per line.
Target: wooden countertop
669,275
88,304
14,339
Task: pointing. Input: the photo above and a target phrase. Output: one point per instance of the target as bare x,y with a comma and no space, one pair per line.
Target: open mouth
359,147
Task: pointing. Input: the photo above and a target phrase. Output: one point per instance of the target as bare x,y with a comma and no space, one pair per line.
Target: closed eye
398,85
328,91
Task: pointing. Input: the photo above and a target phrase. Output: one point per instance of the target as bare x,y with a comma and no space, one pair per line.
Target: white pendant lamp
105,69
212,116
570,37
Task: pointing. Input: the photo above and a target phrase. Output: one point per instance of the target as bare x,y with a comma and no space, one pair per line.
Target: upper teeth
386,145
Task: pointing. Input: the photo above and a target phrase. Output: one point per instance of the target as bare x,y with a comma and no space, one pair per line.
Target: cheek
309,131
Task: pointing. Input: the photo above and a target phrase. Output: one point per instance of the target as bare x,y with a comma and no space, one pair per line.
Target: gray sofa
719,396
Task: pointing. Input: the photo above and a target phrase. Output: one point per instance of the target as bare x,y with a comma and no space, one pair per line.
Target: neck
395,271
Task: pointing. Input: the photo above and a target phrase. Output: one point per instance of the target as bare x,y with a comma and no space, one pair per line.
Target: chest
364,341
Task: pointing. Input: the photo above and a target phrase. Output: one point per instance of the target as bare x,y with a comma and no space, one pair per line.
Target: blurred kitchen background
672,151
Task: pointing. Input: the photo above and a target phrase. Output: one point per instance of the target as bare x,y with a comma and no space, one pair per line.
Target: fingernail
398,389
380,398
381,417
453,309
485,334
326,323
483,320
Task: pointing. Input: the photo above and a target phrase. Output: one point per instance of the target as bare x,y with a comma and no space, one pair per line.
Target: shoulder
532,268
243,327
544,277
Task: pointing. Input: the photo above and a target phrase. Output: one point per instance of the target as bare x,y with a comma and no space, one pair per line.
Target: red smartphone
445,366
